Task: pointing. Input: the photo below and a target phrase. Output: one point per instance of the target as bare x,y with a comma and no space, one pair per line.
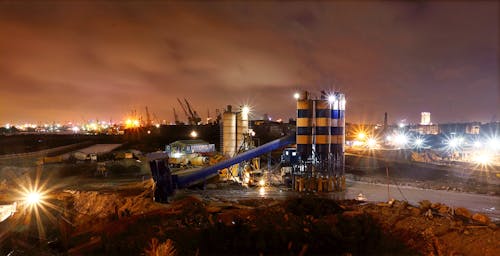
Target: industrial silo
242,127
229,139
320,143
337,132
322,129
304,126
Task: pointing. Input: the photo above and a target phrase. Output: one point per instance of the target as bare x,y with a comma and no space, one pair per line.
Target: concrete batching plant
320,142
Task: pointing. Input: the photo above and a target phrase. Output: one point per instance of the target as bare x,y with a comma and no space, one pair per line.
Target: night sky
89,59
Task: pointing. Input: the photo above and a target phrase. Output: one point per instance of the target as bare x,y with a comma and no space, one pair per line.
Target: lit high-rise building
426,118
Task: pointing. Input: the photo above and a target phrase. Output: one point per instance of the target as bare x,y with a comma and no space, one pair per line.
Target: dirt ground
486,181
126,221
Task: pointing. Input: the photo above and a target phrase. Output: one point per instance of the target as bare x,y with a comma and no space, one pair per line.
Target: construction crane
176,118
185,111
195,118
209,119
218,116
191,114
148,118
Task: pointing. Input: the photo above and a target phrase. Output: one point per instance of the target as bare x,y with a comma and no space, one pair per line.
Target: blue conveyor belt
210,171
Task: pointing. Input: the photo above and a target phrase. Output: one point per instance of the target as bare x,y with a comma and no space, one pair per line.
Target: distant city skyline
77,60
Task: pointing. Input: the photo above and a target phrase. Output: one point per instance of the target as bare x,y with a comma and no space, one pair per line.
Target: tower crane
148,118
176,118
185,111
195,118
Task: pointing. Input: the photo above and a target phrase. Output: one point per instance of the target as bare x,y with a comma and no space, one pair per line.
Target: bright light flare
482,158
455,143
262,182
262,191
401,140
332,99
418,142
371,143
494,144
245,110
361,135
193,134
357,143
34,201
132,123
477,144
33,198
296,95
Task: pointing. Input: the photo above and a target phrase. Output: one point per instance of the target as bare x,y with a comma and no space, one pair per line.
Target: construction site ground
481,180
117,216
435,212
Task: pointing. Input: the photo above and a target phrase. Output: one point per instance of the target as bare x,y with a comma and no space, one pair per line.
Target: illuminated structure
320,140
235,127
473,128
426,126
425,118
428,129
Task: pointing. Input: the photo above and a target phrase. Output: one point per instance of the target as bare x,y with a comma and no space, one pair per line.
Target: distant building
490,128
428,129
267,130
473,128
460,128
425,118
189,147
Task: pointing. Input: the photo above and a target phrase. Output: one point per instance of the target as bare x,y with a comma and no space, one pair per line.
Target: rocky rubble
303,225
437,229
127,221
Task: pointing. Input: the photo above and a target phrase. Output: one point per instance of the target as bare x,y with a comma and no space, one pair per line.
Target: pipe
203,174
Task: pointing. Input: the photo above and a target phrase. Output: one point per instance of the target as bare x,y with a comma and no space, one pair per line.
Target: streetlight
193,134
371,143
477,144
455,143
400,140
482,158
418,143
361,135
33,198
494,143
331,99
245,110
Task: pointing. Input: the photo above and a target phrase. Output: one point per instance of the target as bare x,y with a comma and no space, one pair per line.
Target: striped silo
304,126
322,127
338,130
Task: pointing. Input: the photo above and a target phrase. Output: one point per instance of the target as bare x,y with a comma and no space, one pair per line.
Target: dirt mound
436,229
127,220
249,227
313,206
89,207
